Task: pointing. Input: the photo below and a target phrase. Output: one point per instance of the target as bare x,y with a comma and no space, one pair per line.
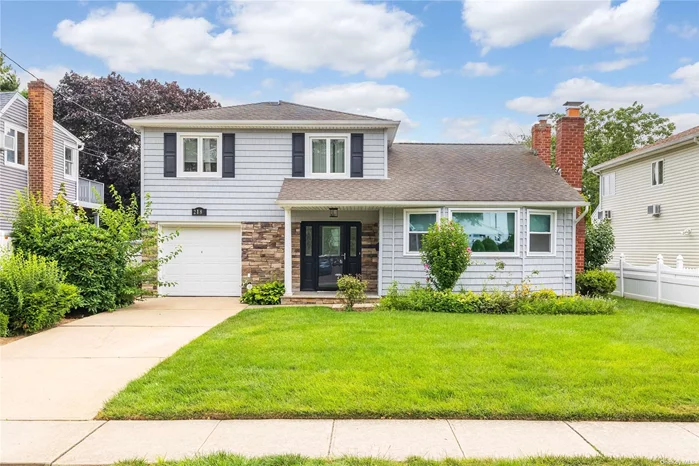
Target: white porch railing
90,192
658,282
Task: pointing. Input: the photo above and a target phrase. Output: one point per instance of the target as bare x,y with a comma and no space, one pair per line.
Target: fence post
658,275
621,273
680,262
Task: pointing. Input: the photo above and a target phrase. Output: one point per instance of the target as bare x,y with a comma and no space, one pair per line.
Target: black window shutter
298,155
170,155
357,156
229,155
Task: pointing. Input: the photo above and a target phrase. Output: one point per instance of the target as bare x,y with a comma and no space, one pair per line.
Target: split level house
277,190
651,198
38,154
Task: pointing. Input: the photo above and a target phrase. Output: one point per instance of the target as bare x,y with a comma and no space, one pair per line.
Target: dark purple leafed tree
112,152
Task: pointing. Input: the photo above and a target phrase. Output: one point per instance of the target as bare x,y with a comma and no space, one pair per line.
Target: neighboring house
276,190
651,196
37,153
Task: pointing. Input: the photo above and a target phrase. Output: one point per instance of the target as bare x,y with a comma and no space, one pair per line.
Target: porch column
287,251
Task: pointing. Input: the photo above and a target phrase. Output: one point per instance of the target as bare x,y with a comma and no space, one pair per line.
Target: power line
68,98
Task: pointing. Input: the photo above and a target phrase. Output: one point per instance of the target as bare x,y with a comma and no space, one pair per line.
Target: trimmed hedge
423,299
595,283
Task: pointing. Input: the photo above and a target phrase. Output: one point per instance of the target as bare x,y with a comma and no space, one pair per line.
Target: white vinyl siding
641,237
12,178
407,269
262,161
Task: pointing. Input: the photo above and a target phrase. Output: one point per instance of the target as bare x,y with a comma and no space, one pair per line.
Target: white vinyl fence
658,282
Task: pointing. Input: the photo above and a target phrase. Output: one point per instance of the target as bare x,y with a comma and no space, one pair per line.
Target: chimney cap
543,116
573,104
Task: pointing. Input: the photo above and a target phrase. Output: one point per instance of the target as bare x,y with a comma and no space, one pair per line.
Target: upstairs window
15,145
542,233
200,155
417,222
70,161
490,232
608,184
328,156
657,172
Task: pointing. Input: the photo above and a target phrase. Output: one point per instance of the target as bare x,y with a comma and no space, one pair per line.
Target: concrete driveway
68,372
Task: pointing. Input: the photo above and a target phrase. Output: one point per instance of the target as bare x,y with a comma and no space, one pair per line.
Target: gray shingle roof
445,172
263,111
5,97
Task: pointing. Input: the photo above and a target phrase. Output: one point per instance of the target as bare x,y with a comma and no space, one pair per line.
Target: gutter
340,203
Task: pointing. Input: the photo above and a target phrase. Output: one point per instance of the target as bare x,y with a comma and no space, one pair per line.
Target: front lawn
639,364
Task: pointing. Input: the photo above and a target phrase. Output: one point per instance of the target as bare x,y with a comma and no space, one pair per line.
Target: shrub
595,283
599,244
352,289
33,294
478,246
445,253
490,245
424,299
266,294
4,322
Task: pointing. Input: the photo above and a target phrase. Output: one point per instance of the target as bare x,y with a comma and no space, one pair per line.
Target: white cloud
430,73
684,121
194,8
480,68
581,24
51,74
364,98
685,30
268,83
475,130
600,95
627,24
613,65
224,100
373,39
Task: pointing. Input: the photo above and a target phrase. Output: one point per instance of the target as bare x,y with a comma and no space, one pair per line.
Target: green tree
445,254
610,133
8,79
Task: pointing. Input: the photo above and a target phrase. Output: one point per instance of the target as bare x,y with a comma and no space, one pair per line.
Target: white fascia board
258,123
67,133
597,169
331,203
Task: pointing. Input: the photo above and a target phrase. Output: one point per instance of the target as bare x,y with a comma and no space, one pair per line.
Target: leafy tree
8,79
610,133
599,244
112,150
445,254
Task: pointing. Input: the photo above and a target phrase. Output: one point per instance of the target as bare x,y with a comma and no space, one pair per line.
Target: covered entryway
209,263
328,251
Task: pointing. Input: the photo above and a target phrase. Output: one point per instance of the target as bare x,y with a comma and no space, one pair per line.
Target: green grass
641,363
223,459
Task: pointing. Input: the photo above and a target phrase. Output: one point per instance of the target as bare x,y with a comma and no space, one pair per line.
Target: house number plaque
199,212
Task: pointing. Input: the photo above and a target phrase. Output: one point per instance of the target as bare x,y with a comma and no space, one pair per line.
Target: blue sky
469,71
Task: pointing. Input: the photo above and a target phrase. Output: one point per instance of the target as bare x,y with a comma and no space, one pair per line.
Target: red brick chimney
570,131
40,136
541,139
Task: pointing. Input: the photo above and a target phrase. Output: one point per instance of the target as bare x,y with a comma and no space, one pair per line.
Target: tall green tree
8,79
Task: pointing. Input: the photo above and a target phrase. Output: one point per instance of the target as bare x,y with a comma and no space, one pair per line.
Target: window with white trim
70,160
608,184
657,172
417,223
328,155
15,146
542,233
491,232
199,155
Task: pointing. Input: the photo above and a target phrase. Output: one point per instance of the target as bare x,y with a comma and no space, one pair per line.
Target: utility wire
68,98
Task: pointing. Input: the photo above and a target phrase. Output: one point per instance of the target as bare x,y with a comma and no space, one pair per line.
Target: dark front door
328,251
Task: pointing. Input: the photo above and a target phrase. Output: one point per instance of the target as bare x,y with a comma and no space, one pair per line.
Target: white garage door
209,264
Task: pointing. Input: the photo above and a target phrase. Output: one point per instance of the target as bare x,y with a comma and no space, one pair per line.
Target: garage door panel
208,264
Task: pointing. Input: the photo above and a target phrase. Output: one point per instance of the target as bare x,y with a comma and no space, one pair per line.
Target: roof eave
162,123
434,203
621,160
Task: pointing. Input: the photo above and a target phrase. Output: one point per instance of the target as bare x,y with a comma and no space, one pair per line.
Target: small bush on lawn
33,294
599,244
445,254
424,299
266,294
595,283
352,290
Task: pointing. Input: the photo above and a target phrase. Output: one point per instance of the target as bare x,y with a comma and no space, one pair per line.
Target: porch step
321,299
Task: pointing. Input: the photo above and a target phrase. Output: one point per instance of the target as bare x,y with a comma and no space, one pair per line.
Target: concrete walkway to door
68,372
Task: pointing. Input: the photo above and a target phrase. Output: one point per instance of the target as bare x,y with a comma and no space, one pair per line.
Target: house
277,190
38,154
651,196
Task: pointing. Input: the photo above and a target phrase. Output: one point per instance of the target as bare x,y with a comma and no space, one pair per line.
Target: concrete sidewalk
97,442
68,372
